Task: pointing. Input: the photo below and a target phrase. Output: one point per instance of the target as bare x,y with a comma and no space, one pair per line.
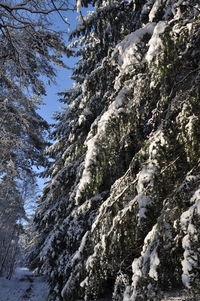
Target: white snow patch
154,262
126,48
126,53
84,282
176,9
155,43
145,177
158,140
92,143
78,253
78,6
189,257
147,263
154,9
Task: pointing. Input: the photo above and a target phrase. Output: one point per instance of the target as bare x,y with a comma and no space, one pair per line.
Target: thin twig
59,13
45,12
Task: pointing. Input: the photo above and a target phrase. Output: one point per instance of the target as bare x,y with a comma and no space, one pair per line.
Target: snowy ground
24,286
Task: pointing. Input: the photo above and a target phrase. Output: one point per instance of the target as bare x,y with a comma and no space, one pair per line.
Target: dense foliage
120,214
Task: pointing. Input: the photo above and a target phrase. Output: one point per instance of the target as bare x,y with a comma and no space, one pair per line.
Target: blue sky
51,103
63,81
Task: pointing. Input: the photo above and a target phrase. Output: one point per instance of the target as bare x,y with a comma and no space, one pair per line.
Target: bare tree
29,49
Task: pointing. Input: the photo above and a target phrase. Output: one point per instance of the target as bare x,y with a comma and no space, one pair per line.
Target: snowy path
24,286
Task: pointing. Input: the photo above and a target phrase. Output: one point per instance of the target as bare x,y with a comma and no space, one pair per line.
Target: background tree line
29,50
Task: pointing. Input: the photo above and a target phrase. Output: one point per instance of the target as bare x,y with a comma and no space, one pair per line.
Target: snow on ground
24,286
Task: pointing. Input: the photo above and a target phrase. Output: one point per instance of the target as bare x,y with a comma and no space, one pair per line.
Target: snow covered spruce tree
27,50
119,217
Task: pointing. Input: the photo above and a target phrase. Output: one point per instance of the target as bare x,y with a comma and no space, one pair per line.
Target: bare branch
7,25
59,13
10,8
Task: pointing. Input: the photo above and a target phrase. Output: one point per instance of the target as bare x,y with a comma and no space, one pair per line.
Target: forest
119,215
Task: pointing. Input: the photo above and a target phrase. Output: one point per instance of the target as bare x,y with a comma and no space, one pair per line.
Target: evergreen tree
120,214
